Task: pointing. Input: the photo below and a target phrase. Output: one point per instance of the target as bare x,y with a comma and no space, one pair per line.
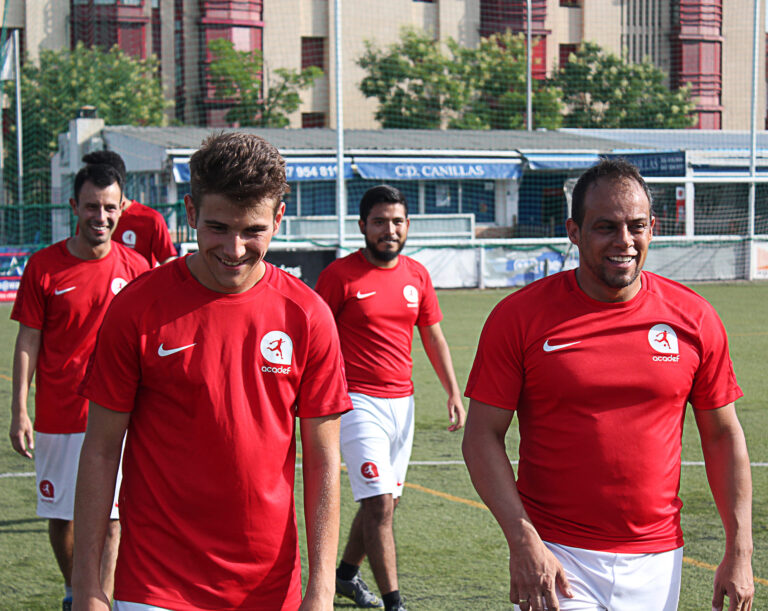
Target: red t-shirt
214,383
66,297
375,310
600,391
145,230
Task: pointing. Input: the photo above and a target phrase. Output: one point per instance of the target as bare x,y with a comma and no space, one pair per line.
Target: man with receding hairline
63,296
142,228
208,475
599,363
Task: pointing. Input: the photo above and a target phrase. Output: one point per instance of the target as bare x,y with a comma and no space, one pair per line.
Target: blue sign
439,169
296,170
656,164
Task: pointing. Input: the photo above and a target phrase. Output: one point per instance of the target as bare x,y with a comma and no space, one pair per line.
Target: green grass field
451,552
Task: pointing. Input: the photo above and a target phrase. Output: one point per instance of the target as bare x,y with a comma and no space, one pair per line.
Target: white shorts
376,442
121,605
619,582
56,461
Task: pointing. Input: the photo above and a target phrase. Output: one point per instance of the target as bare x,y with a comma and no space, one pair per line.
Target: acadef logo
277,348
46,489
118,284
129,239
411,294
663,339
369,470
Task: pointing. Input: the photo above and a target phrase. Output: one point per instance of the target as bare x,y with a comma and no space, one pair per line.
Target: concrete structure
706,43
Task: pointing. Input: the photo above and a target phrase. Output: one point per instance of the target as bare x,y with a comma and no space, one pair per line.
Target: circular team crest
129,238
277,348
46,489
369,470
663,338
118,284
411,293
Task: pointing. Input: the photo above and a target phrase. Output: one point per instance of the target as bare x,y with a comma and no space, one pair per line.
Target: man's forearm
439,355
321,469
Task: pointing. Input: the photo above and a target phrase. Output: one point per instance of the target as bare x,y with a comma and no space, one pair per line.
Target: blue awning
560,161
422,168
297,169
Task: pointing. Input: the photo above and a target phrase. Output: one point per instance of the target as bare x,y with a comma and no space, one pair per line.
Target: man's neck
79,248
378,262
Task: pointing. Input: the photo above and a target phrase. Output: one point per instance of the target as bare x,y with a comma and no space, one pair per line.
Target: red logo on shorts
46,489
369,470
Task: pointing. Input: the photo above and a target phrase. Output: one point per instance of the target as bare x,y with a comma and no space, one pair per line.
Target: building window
570,3
312,52
312,119
565,52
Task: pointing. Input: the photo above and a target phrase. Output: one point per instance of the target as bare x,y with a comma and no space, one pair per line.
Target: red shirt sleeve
323,389
114,370
29,306
497,374
162,247
429,308
330,287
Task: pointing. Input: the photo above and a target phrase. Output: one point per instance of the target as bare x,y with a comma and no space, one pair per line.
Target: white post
529,69
19,150
753,143
341,191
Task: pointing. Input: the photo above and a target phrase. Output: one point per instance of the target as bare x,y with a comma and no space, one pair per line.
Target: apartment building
706,43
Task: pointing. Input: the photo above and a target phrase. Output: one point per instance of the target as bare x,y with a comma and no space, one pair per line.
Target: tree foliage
412,81
124,90
495,77
237,80
602,90
418,85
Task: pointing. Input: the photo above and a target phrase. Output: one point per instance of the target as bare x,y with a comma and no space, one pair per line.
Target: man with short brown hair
208,474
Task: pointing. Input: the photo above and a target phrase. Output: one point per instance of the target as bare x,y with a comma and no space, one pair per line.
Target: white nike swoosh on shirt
364,295
62,291
163,352
552,347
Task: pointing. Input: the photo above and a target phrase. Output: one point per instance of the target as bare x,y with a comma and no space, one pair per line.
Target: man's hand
456,413
22,435
536,575
733,579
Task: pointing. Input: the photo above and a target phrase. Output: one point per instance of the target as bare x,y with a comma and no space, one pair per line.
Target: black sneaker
358,591
66,604
400,606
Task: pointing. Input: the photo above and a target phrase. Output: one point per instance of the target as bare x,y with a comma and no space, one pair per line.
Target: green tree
237,80
412,81
602,90
495,78
124,90
418,85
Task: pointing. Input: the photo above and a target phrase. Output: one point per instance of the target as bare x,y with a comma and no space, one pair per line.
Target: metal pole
19,146
529,69
341,191
753,141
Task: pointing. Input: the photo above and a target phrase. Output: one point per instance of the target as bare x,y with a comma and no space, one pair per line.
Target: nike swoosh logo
62,291
552,347
163,352
364,295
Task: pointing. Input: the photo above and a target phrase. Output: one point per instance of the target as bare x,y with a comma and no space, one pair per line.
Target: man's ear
573,231
191,211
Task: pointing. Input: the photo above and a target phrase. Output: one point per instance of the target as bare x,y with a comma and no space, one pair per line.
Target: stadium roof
687,139
383,142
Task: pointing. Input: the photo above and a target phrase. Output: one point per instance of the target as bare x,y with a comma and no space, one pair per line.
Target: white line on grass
426,463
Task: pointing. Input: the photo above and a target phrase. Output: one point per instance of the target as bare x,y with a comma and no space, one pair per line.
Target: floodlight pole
341,191
529,69
753,141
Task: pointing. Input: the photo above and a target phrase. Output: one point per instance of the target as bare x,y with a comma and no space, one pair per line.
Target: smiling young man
64,293
141,228
377,295
599,363
210,406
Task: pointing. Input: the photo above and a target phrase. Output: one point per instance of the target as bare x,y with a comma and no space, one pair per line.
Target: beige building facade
706,43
